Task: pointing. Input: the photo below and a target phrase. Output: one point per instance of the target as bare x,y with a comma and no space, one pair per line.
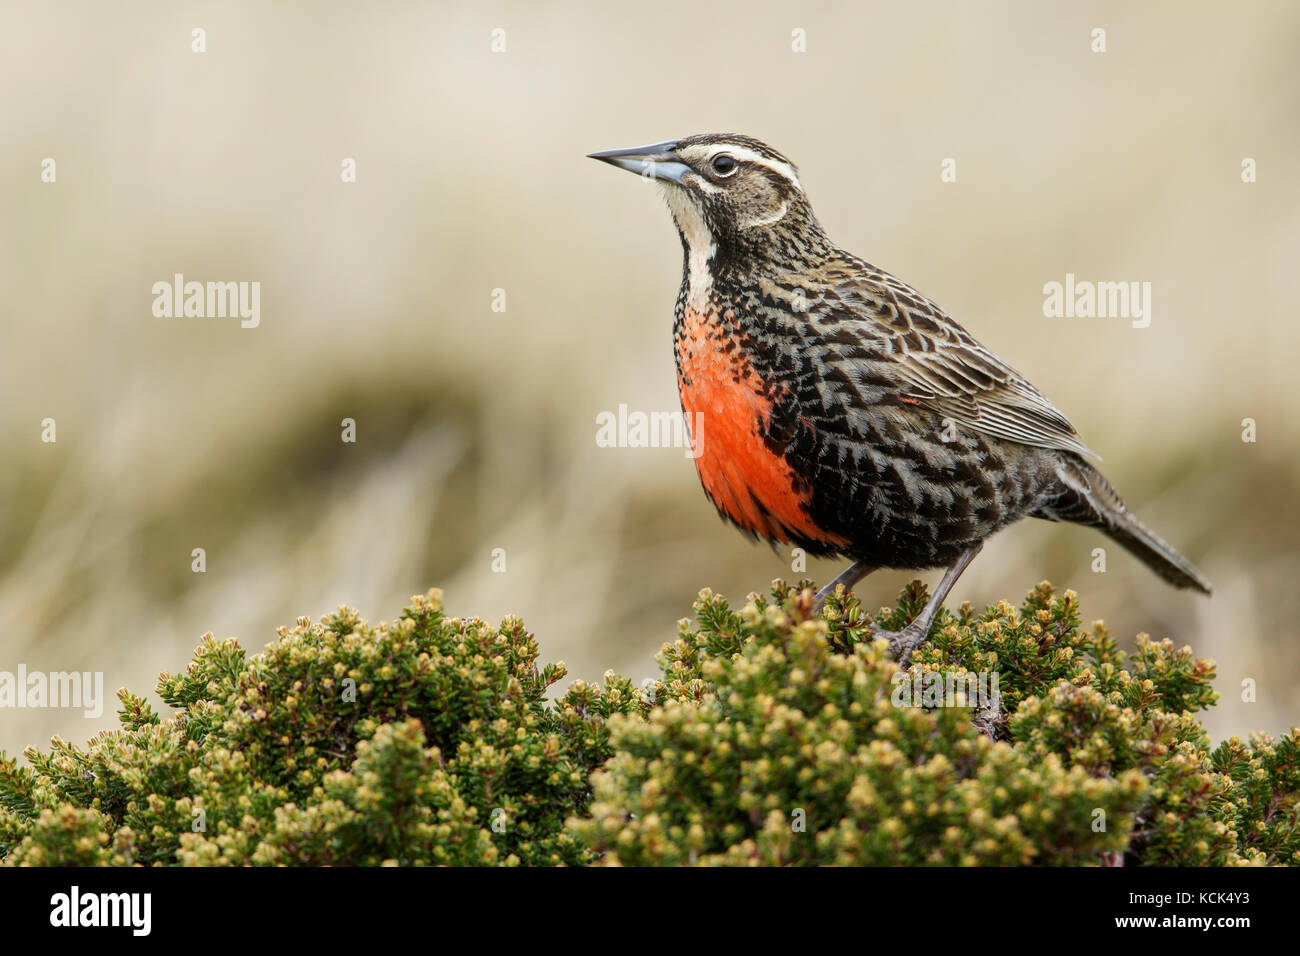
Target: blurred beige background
476,429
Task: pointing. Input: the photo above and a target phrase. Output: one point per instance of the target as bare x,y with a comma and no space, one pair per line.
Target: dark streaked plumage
843,411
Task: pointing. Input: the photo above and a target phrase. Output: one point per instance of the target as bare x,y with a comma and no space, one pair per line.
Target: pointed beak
657,161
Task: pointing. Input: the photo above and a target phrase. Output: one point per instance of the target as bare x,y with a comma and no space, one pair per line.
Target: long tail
1086,498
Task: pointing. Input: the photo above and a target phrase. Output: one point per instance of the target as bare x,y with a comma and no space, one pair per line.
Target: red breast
728,407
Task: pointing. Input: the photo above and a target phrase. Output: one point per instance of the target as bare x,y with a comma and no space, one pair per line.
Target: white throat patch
700,247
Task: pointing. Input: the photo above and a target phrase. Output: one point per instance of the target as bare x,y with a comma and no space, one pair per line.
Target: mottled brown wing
939,364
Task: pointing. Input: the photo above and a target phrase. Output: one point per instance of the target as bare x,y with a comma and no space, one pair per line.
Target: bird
839,410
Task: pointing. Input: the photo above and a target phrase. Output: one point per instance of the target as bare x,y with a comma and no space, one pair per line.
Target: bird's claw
902,643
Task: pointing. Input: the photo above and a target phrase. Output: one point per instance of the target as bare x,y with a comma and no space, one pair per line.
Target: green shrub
777,741
775,736
426,741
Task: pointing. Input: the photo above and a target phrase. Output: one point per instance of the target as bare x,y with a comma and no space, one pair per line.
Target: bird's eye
724,165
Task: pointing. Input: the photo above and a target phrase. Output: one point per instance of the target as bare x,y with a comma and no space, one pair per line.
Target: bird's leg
850,576
902,643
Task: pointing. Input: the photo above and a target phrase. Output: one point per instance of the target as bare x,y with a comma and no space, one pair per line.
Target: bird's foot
903,643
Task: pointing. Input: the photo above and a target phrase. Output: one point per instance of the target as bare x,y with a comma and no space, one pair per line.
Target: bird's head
732,197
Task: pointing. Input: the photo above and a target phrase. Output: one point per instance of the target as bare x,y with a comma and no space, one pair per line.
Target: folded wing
937,363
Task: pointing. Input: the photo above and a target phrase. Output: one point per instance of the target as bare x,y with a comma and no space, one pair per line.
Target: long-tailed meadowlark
845,413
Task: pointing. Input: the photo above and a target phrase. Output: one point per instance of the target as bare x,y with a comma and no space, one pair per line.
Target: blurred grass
476,429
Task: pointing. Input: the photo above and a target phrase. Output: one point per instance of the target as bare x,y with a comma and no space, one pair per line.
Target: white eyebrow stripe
748,155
